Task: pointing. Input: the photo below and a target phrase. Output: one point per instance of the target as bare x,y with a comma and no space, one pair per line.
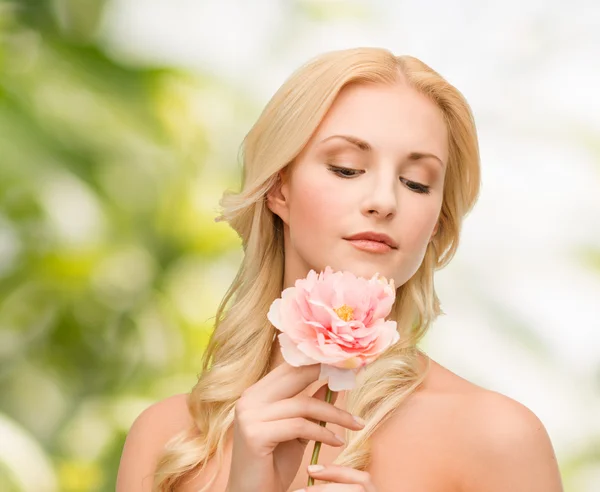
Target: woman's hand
273,423
345,479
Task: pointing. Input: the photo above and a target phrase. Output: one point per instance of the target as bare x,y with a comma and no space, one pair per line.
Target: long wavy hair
240,348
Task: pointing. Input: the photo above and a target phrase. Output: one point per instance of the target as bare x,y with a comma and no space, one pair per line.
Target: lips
374,236
370,246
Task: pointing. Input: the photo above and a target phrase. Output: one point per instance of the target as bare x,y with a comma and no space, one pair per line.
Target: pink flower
336,319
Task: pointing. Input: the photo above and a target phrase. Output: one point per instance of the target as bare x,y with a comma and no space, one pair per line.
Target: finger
310,408
333,487
298,428
284,381
345,475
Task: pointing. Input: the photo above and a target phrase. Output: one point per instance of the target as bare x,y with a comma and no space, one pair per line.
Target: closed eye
341,170
416,187
347,173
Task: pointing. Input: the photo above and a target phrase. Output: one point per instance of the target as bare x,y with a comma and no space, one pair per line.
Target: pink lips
370,246
374,236
373,241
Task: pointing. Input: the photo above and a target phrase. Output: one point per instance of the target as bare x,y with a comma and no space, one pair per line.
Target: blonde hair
239,350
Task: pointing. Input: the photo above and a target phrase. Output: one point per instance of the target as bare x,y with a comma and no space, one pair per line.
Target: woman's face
364,170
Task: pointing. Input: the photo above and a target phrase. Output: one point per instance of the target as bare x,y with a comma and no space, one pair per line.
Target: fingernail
315,468
340,439
359,420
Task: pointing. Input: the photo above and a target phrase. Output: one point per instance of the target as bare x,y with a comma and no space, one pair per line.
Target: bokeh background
120,126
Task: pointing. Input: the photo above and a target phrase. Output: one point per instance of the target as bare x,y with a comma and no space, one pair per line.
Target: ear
277,197
435,229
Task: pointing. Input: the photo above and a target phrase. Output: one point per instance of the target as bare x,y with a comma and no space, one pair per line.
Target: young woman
366,162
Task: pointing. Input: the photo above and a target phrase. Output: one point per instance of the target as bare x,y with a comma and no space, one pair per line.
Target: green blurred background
111,265
110,250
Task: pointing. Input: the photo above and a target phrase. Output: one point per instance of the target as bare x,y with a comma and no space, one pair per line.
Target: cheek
316,206
418,218
417,223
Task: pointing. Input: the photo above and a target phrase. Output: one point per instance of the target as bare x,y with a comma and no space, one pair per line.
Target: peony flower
336,319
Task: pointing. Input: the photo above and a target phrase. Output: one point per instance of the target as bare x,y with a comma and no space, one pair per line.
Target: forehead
392,118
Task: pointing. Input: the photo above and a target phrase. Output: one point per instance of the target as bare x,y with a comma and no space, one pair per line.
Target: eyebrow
366,147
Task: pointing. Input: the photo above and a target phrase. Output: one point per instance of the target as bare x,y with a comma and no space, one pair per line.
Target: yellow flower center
345,312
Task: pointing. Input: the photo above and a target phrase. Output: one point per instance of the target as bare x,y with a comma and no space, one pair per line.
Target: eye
416,187
344,172
347,173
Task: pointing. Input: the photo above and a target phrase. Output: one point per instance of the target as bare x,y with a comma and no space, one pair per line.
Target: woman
365,162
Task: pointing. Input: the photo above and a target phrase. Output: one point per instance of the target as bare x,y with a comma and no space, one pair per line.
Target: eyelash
416,187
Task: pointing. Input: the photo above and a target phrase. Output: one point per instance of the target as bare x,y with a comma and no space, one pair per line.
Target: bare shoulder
150,431
417,447
506,447
455,436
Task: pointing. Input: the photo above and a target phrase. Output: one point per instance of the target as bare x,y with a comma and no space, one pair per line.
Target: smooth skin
368,166
449,436
376,162
273,425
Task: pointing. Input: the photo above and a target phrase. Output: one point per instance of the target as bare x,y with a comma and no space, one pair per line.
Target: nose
380,198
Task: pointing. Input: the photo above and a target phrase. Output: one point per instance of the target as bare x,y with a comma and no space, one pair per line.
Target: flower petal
315,333
339,379
292,354
274,313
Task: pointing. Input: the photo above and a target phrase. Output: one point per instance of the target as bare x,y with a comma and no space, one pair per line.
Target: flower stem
317,448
